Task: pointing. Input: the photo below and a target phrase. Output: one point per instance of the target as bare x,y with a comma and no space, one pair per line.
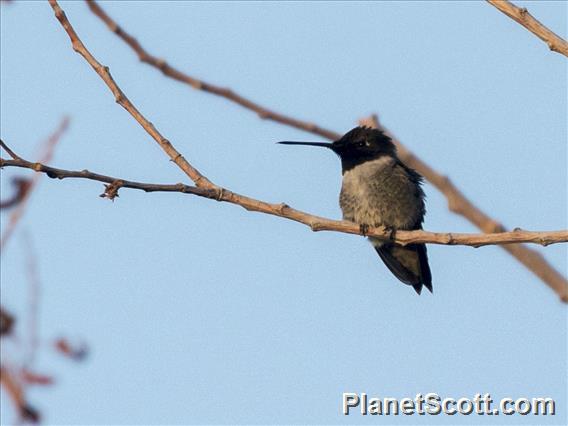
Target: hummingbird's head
364,143
358,145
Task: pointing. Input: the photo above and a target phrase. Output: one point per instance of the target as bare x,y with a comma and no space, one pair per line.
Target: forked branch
124,102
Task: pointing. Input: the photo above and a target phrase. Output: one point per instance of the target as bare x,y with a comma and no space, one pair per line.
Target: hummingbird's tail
408,263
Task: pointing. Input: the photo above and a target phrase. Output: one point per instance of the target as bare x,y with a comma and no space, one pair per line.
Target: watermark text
433,404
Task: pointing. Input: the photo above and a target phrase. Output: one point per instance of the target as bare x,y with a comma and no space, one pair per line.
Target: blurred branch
12,387
34,284
523,17
6,322
22,187
316,223
76,352
49,147
32,378
457,201
15,391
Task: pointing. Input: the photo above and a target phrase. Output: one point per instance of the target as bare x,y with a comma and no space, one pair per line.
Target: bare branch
122,100
54,173
49,147
316,223
523,17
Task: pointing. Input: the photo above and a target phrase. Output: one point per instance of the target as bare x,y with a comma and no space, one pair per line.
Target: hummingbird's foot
364,229
391,232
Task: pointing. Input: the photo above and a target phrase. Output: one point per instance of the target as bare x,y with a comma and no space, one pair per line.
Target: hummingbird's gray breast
382,192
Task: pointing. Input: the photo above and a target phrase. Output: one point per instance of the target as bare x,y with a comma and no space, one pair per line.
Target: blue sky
200,312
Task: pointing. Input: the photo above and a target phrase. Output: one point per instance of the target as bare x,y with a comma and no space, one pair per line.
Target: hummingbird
378,189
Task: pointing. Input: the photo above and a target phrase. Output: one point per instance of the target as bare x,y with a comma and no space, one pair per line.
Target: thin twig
457,201
8,150
48,149
316,223
523,17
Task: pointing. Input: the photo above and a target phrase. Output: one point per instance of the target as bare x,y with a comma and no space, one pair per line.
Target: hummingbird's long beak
324,144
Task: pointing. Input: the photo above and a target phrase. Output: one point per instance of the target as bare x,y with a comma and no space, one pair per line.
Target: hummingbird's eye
361,144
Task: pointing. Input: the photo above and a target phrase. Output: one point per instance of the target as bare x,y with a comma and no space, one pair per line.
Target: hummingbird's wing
408,263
